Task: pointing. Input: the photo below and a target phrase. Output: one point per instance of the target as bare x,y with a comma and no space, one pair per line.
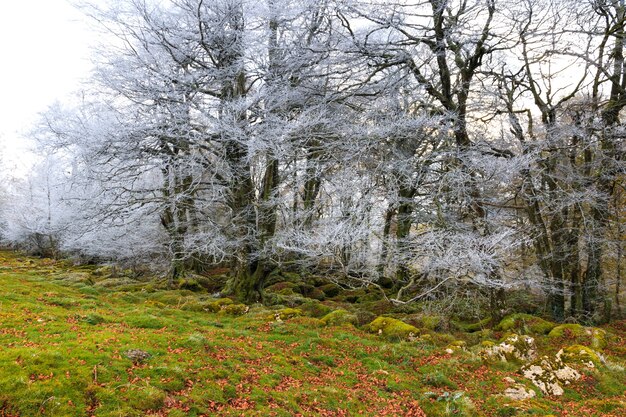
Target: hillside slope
72,346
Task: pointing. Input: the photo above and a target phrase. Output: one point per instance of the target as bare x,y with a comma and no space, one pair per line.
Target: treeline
440,148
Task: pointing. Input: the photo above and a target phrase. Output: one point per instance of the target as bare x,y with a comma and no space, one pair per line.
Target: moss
579,354
285,314
190,283
217,305
339,317
147,398
513,348
391,328
234,309
283,288
431,322
568,331
314,308
598,339
525,323
145,321
439,380
92,319
609,385
330,290
472,327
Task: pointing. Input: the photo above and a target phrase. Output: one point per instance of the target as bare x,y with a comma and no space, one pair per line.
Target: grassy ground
67,341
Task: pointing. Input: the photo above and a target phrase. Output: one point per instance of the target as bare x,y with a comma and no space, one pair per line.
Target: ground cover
74,342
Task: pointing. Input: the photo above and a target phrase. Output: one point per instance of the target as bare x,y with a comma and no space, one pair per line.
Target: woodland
434,152
325,208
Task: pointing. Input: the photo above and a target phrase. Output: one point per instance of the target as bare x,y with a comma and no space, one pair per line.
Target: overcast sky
45,53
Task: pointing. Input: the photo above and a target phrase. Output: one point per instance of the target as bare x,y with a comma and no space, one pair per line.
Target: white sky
45,53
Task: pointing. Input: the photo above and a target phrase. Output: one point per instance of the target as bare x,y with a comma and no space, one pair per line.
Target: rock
548,375
138,356
568,330
526,324
217,305
455,346
286,313
598,339
392,328
514,348
235,309
519,393
579,354
338,317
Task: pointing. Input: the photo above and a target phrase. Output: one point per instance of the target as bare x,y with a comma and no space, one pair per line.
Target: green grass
63,340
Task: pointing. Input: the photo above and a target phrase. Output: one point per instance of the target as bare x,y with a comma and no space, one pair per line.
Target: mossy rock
513,348
234,309
191,284
168,298
525,323
330,290
472,327
598,338
283,288
217,305
314,308
364,317
431,322
568,331
285,314
455,346
581,355
339,317
316,294
549,374
103,271
392,329
355,296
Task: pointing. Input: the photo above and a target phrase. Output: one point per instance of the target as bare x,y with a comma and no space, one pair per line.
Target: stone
137,356
549,374
519,393
339,317
516,348
598,338
392,328
525,323
579,354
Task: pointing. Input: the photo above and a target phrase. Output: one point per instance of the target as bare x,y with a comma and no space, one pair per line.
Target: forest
433,151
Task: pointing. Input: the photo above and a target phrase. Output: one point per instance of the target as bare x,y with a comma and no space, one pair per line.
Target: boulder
514,348
568,330
525,324
582,355
549,375
518,392
339,317
392,328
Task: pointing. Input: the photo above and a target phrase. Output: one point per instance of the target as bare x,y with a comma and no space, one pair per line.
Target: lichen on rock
579,354
518,392
549,374
515,348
